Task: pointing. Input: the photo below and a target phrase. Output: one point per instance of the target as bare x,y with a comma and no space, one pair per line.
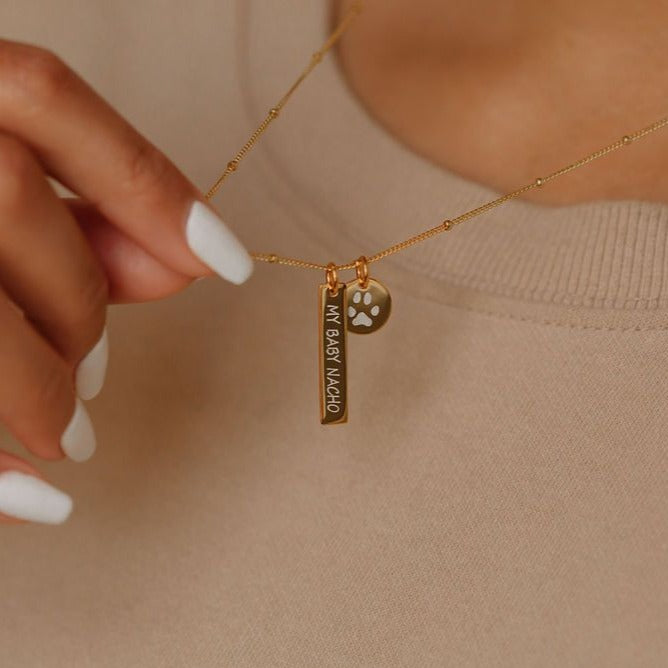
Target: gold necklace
363,304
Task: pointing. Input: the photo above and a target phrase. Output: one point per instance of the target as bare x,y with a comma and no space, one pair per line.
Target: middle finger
46,265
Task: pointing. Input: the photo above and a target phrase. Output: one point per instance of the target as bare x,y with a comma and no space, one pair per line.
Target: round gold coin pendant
368,306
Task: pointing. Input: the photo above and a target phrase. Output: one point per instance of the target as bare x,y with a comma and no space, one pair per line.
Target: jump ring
331,277
362,270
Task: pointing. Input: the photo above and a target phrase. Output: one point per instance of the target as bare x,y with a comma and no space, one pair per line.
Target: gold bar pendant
332,354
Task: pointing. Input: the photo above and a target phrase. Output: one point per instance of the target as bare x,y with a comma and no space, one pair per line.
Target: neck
470,84
489,22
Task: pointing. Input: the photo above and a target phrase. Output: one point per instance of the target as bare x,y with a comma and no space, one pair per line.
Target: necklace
363,304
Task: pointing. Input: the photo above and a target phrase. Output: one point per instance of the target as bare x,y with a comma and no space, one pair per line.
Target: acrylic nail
90,372
78,439
26,497
216,245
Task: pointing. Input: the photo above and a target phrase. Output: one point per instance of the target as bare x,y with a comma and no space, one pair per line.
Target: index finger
86,145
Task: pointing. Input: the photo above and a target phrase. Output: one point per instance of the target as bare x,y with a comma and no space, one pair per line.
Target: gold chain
444,225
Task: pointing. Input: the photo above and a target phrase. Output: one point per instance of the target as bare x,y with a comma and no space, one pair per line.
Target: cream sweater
498,496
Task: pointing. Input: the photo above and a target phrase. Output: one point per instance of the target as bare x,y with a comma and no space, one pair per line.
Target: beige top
498,497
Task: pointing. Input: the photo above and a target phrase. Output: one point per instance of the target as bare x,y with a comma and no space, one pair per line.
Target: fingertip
91,370
29,498
78,441
214,243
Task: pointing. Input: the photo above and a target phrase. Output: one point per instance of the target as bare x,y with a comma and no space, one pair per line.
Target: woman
497,496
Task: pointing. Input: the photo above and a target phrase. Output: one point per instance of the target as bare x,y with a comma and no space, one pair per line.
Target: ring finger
48,269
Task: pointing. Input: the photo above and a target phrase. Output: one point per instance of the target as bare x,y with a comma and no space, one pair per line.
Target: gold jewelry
369,307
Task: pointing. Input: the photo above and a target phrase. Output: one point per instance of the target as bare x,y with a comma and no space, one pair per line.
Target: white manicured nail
215,244
78,439
90,372
26,497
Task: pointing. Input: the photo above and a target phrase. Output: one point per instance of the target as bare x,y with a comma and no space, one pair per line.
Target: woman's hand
138,231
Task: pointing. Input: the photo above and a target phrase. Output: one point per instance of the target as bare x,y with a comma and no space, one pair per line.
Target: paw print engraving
361,317
368,308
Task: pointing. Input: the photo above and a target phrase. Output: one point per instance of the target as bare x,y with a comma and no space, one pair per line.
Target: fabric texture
498,496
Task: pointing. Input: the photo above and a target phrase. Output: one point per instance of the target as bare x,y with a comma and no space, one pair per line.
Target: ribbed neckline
363,190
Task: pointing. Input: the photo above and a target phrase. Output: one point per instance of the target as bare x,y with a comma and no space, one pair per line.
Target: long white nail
26,497
78,439
215,244
89,376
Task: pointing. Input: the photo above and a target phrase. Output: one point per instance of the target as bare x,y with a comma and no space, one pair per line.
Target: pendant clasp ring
332,280
362,270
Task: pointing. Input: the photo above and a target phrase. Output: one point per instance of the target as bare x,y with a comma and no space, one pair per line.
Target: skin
497,92
503,92
63,261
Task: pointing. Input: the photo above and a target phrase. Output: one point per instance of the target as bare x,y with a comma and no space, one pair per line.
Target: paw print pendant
368,303
368,307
